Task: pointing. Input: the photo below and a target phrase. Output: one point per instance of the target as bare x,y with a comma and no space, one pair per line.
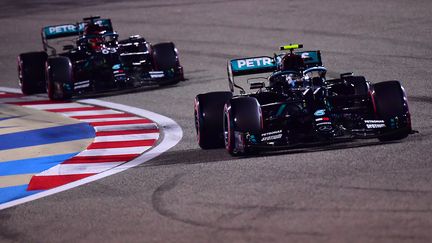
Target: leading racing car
94,61
296,105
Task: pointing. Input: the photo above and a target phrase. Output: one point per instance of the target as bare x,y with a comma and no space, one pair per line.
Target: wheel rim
58,92
226,131
20,78
197,125
20,75
54,91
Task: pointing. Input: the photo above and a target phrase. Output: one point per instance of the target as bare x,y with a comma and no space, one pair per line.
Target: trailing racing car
297,105
95,60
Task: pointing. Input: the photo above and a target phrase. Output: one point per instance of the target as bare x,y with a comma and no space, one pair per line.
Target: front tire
59,75
392,107
165,58
242,115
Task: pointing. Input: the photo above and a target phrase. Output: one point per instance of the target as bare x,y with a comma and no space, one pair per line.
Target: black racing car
298,105
94,61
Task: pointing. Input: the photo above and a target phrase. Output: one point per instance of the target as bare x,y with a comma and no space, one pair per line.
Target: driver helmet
110,38
292,62
93,33
93,29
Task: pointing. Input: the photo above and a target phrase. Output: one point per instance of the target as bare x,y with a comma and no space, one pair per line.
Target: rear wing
266,64
310,58
67,30
252,65
249,66
60,31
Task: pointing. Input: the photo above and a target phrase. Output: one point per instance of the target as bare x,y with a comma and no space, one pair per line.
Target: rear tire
208,118
391,103
241,115
165,57
31,72
59,75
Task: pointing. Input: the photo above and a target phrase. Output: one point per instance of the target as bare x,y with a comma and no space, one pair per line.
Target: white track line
111,119
130,137
78,169
114,151
57,106
146,126
89,113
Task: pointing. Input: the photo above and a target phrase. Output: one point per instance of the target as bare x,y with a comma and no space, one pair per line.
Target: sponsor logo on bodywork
274,135
71,29
324,123
374,123
61,29
252,63
319,113
325,128
305,55
156,74
322,119
82,84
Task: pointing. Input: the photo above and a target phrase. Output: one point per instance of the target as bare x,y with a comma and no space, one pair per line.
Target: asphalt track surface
357,192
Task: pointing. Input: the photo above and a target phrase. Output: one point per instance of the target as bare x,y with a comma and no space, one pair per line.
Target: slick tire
59,75
390,102
241,114
165,57
208,115
31,72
